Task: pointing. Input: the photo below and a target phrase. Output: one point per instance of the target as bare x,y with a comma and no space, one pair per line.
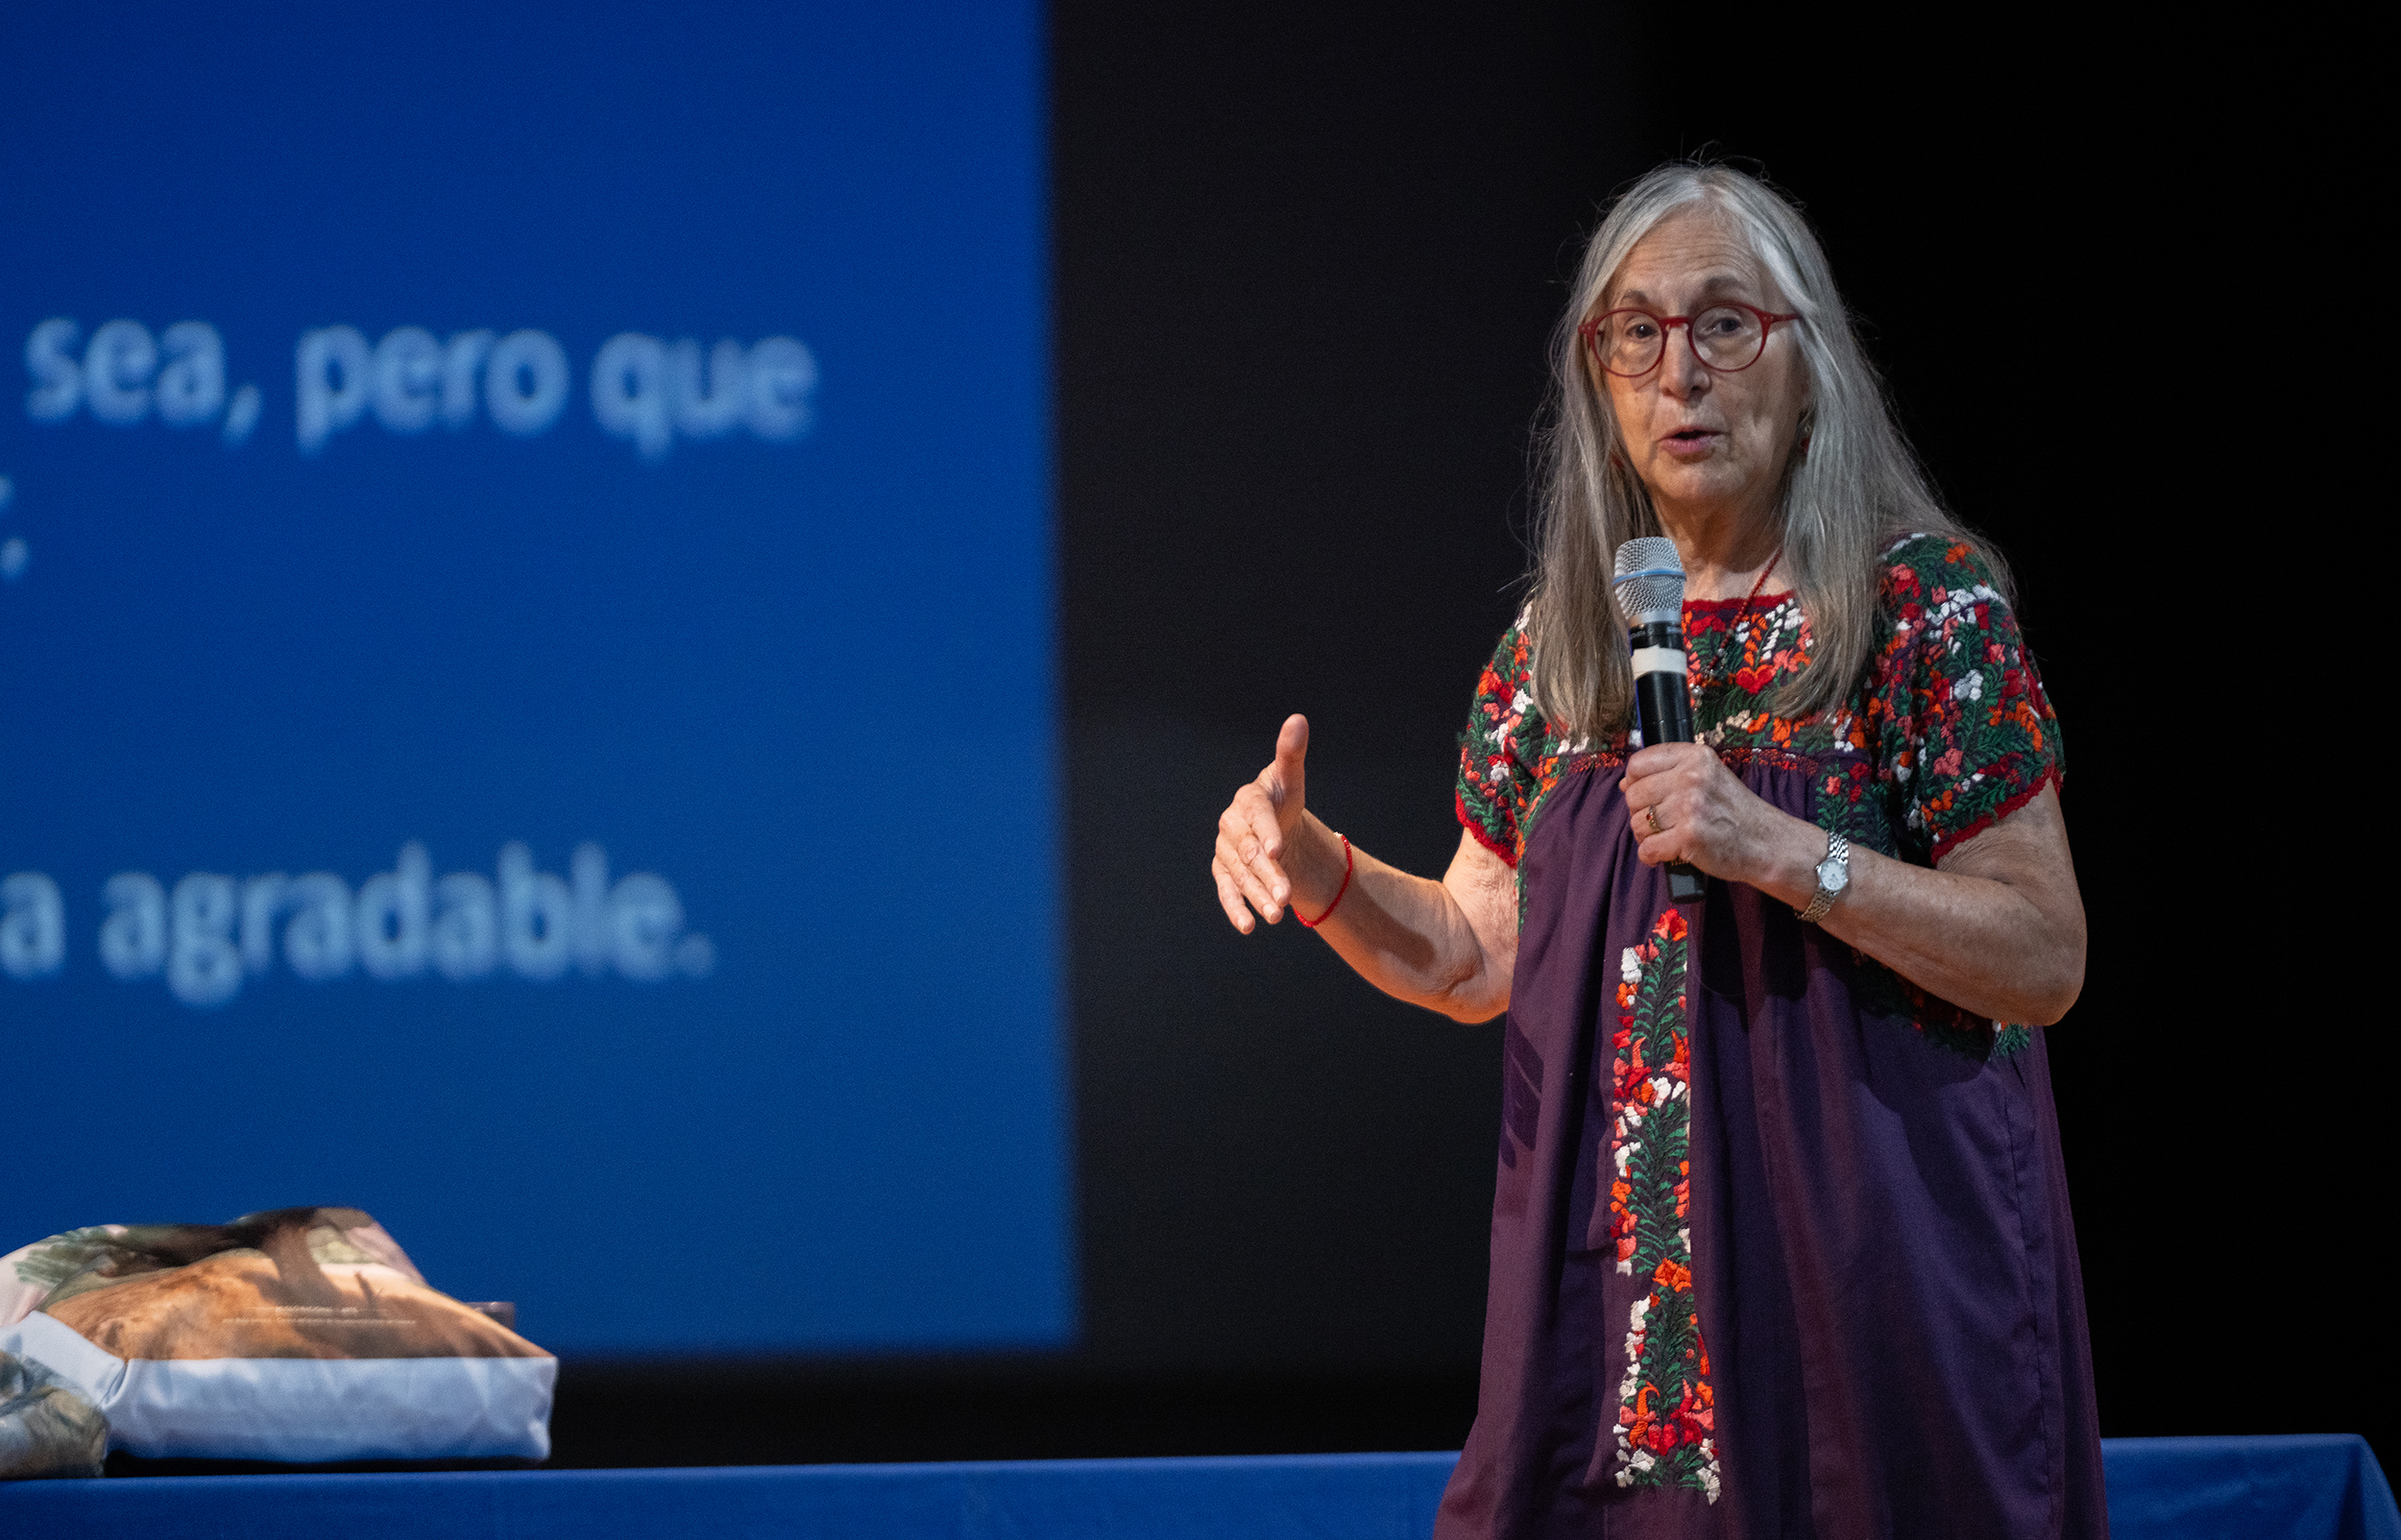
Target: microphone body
1650,591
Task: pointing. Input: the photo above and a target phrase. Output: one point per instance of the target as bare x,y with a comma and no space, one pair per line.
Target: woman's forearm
1410,936
1998,930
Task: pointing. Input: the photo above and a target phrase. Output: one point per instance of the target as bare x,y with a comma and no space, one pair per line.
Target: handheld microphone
1650,594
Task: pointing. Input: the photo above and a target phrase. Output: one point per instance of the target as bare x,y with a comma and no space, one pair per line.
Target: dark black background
1307,262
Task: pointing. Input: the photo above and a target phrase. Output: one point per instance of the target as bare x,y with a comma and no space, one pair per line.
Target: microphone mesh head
1650,581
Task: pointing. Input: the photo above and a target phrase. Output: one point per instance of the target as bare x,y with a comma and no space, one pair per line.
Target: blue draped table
2285,1488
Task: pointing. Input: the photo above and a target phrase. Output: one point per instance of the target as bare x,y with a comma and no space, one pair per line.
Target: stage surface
2285,1488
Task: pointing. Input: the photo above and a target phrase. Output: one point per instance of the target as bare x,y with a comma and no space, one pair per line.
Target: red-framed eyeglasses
1728,337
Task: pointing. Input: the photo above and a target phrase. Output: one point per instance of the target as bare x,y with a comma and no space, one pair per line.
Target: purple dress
1781,1244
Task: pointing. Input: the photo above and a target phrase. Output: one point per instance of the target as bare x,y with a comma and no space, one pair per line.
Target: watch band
1837,853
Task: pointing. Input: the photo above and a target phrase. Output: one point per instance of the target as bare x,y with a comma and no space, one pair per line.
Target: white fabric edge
96,1373
302,1410
310,1409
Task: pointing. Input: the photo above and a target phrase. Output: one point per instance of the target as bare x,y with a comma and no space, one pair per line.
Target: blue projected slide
527,678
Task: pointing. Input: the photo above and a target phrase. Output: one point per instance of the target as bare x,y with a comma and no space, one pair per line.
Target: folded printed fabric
45,1428
300,1336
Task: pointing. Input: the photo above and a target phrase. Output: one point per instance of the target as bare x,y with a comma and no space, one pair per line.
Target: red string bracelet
1338,892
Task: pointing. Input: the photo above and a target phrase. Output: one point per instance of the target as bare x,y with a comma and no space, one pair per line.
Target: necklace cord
1716,688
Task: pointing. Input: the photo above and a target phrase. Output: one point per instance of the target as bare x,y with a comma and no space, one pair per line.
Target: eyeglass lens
1725,338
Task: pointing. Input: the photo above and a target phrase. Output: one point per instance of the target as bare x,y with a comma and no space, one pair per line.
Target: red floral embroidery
1952,717
1508,758
1666,1411
1948,733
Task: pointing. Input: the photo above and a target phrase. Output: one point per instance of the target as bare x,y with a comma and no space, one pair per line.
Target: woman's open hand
1449,946
1256,831
1687,807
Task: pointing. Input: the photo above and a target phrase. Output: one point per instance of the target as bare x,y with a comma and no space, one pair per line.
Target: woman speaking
1781,1236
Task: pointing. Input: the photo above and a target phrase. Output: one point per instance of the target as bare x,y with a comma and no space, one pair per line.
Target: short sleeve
1965,731
1507,756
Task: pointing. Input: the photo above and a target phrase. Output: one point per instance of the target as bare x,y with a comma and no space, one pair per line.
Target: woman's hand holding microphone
1687,807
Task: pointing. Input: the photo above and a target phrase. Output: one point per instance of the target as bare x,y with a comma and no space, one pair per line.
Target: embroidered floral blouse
1603,1408
1949,732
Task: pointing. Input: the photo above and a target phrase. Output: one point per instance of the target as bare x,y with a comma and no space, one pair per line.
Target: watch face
1834,875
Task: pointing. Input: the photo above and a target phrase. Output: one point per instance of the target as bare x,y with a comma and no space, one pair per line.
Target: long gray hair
1850,487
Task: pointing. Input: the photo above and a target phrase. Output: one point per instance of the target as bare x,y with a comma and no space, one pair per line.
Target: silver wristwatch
1833,875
